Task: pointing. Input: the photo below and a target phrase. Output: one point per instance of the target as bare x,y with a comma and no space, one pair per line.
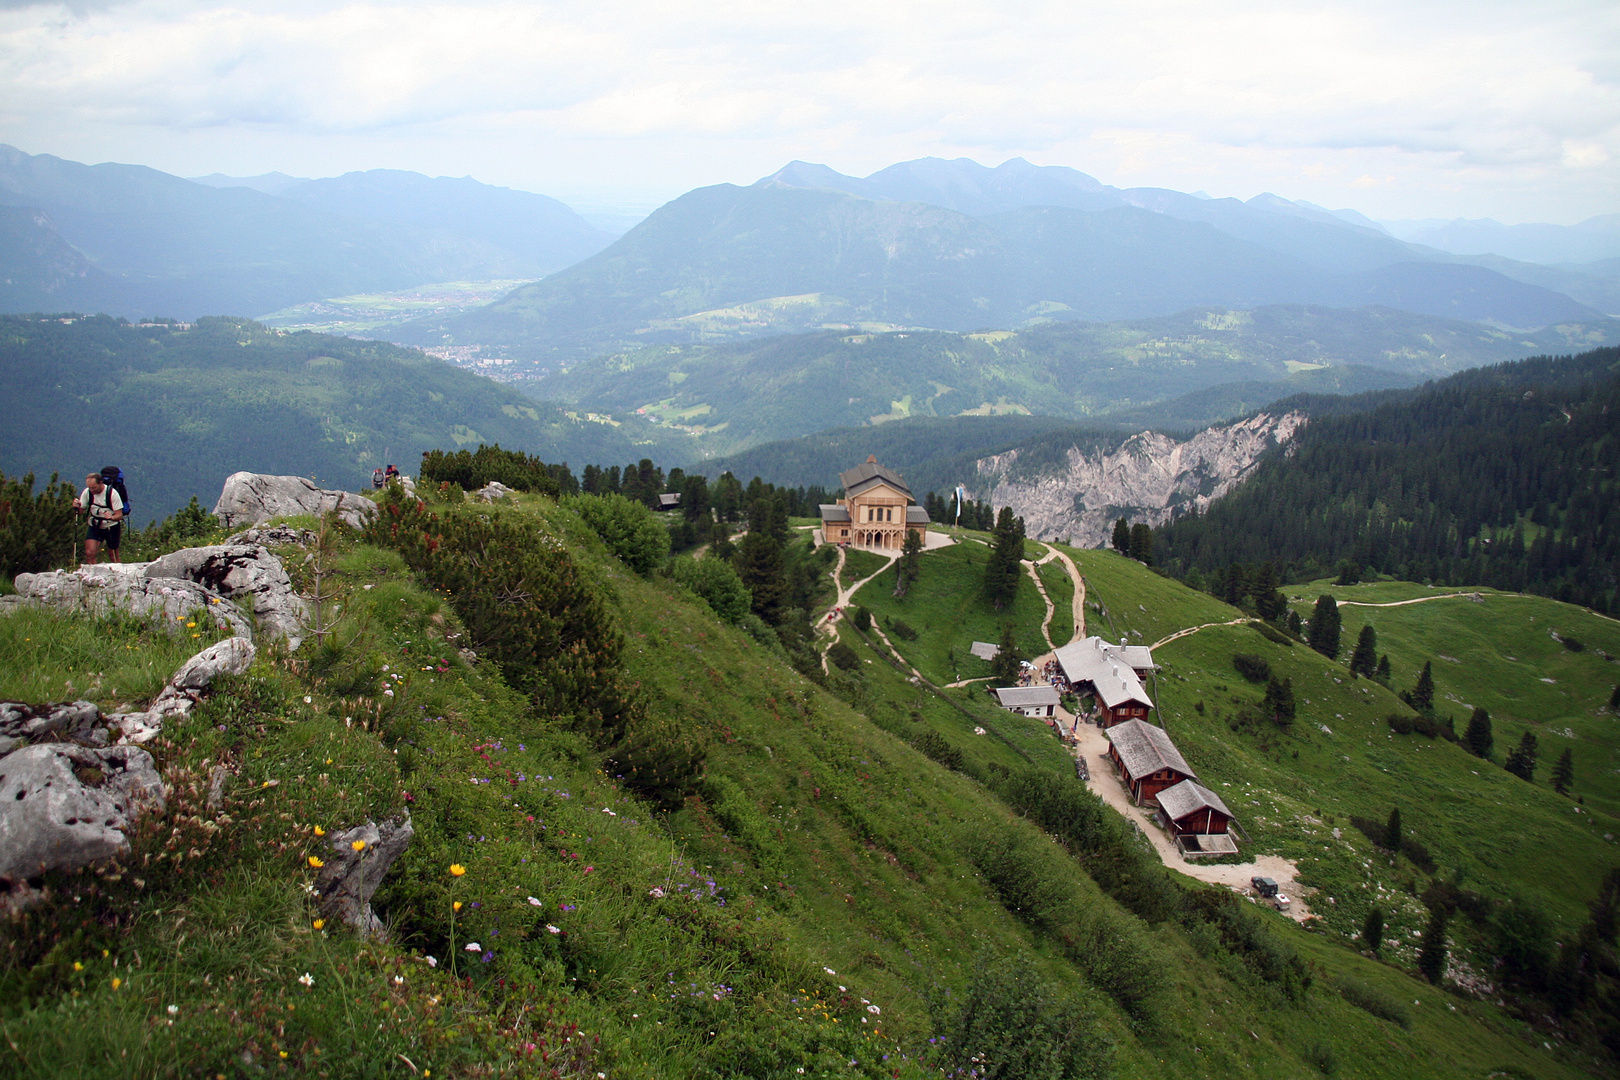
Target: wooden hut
1147,761
1196,818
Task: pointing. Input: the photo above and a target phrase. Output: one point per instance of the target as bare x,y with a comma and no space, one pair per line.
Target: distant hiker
106,510
392,474
377,479
112,476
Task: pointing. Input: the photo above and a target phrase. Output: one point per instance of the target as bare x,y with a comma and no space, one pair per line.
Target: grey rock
185,688
64,806
1146,478
23,723
275,536
248,574
249,498
492,491
126,587
216,788
350,878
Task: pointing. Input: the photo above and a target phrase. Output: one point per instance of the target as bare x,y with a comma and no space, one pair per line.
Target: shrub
862,619
1572,644
1370,999
1251,667
37,531
935,746
629,529
901,629
475,469
1273,635
1013,1023
717,583
1319,1053
843,657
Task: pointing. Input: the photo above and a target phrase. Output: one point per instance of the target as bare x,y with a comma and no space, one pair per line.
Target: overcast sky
1409,109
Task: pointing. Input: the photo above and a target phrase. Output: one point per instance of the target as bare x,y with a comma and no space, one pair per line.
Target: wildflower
308,700
319,831
388,693
487,957
874,1010
432,961
588,869
535,902
472,946
656,893
117,983
455,905
358,845
456,869
399,979
315,863
191,626
319,923
77,966
283,1053
174,1010
307,979
554,929
829,971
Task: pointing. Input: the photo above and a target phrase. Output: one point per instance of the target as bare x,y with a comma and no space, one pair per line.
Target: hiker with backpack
105,507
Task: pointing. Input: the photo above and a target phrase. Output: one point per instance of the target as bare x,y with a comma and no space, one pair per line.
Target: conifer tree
1372,930
1001,571
1392,830
1122,537
905,571
1382,673
1296,625
1269,603
1563,777
1005,667
1324,631
1432,951
1477,736
1421,696
1279,701
1364,660
1142,543
1522,761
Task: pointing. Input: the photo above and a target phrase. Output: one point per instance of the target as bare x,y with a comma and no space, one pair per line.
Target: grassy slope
832,842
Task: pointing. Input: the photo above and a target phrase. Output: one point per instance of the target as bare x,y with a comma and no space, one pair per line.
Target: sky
1400,110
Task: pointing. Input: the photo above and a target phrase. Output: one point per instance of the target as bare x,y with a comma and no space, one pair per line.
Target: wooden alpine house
1147,761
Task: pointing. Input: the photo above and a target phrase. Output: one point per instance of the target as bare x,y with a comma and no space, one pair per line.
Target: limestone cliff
1147,478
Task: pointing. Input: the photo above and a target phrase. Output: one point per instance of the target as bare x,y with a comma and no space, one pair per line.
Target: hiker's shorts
107,537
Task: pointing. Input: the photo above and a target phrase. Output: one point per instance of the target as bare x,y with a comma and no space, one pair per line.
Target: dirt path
1034,575
1079,602
1474,596
1179,634
1092,745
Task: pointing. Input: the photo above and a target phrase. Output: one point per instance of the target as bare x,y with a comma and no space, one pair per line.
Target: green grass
946,606
860,564
113,660
1060,590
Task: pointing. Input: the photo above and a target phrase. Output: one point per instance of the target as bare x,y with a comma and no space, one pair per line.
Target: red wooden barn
1148,762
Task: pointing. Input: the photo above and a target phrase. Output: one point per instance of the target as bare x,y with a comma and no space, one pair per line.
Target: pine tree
1296,625
1269,603
1349,573
1382,673
759,564
1002,572
1477,736
1324,632
1522,761
905,571
1421,696
1279,701
1372,930
1142,543
1563,777
1364,660
1392,830
1432,952
1614,698
1005,667
1122,537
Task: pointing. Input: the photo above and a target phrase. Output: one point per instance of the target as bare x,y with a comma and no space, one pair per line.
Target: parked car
1264,886
1280,902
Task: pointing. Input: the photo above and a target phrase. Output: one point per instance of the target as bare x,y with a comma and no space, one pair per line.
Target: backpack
113,477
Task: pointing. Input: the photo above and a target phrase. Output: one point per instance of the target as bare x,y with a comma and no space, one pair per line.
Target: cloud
1525,97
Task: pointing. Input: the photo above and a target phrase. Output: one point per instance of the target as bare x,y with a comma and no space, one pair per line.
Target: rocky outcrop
349,879
492,491
182,692
249,498
1150,477
78,721
275,536
247,574
125,587
64,806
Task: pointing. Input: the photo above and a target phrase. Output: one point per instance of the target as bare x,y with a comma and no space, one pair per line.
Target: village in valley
1091,693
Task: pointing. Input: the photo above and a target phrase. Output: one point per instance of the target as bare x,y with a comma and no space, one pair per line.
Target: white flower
843,990
829,971
472,946
432,961
307,979
656,892
554,929
398,979
388,693
873,1009
308,700
536,902
174,1010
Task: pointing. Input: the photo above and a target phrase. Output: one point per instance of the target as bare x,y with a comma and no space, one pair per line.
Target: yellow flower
319,831
315,863
456,869
319,923
77,966
283,1053
191,626
456,906
358,845
117,983
105,954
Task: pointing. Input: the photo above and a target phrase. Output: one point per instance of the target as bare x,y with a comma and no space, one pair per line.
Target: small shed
1147,761
984,650
1039,700
669,500
1196,817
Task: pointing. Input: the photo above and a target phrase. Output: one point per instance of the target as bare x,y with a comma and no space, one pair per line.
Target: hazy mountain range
952,245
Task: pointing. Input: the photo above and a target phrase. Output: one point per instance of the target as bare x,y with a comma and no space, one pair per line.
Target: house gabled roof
868,474
1189,797
832,512
669,500
984,650
1145,749
1017,697
1106,667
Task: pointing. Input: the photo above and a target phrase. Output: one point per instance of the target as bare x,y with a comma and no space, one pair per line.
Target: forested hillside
1504,476
180,408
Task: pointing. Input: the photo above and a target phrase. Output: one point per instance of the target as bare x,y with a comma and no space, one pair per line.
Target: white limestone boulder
492,491
248,574
126,587
350,878
249,498
64,806
185,688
